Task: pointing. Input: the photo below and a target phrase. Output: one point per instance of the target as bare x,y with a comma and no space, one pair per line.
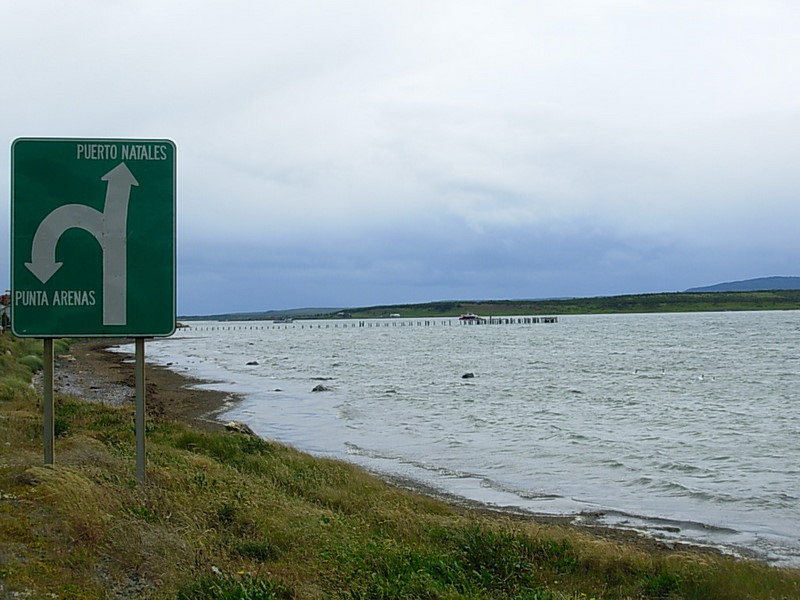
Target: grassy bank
227,515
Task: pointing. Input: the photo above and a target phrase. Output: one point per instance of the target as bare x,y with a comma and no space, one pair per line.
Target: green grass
225,516
227,587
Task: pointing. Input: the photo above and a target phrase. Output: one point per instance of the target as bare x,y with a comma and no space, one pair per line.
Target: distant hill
764,293
266,315
753,285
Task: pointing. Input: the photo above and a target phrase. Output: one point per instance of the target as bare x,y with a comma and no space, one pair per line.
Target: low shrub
33,362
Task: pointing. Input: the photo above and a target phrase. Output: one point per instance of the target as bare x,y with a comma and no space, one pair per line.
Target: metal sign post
93,248
140,410
48,411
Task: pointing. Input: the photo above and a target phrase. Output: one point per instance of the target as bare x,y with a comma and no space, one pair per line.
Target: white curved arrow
108,227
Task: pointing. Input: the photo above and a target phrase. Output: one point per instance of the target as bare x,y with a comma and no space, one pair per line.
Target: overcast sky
365,152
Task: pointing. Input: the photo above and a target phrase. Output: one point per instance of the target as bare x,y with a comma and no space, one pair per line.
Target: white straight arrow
108,227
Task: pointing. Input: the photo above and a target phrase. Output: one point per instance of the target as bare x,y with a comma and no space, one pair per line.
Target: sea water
685,426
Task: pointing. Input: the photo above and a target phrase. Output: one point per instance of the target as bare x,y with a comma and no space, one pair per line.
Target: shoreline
94,373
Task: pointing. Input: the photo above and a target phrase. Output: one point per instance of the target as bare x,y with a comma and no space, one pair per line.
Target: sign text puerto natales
121,151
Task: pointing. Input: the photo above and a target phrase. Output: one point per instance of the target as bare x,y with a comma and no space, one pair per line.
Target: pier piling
369,323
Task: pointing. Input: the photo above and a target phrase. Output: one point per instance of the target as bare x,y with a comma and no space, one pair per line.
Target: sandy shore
93,373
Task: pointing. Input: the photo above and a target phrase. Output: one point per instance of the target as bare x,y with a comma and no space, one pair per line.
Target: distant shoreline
668,302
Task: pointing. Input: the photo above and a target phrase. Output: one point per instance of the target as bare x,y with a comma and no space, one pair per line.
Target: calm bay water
683,425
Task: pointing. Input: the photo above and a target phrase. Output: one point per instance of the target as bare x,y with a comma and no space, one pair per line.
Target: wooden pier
516,320
371,323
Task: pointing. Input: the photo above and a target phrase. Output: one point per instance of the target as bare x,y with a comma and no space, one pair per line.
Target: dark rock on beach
321,388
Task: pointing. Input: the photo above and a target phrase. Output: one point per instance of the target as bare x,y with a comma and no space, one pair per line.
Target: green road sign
92,238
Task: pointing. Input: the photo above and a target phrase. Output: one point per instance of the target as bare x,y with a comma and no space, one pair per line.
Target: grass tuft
33,362
243,587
